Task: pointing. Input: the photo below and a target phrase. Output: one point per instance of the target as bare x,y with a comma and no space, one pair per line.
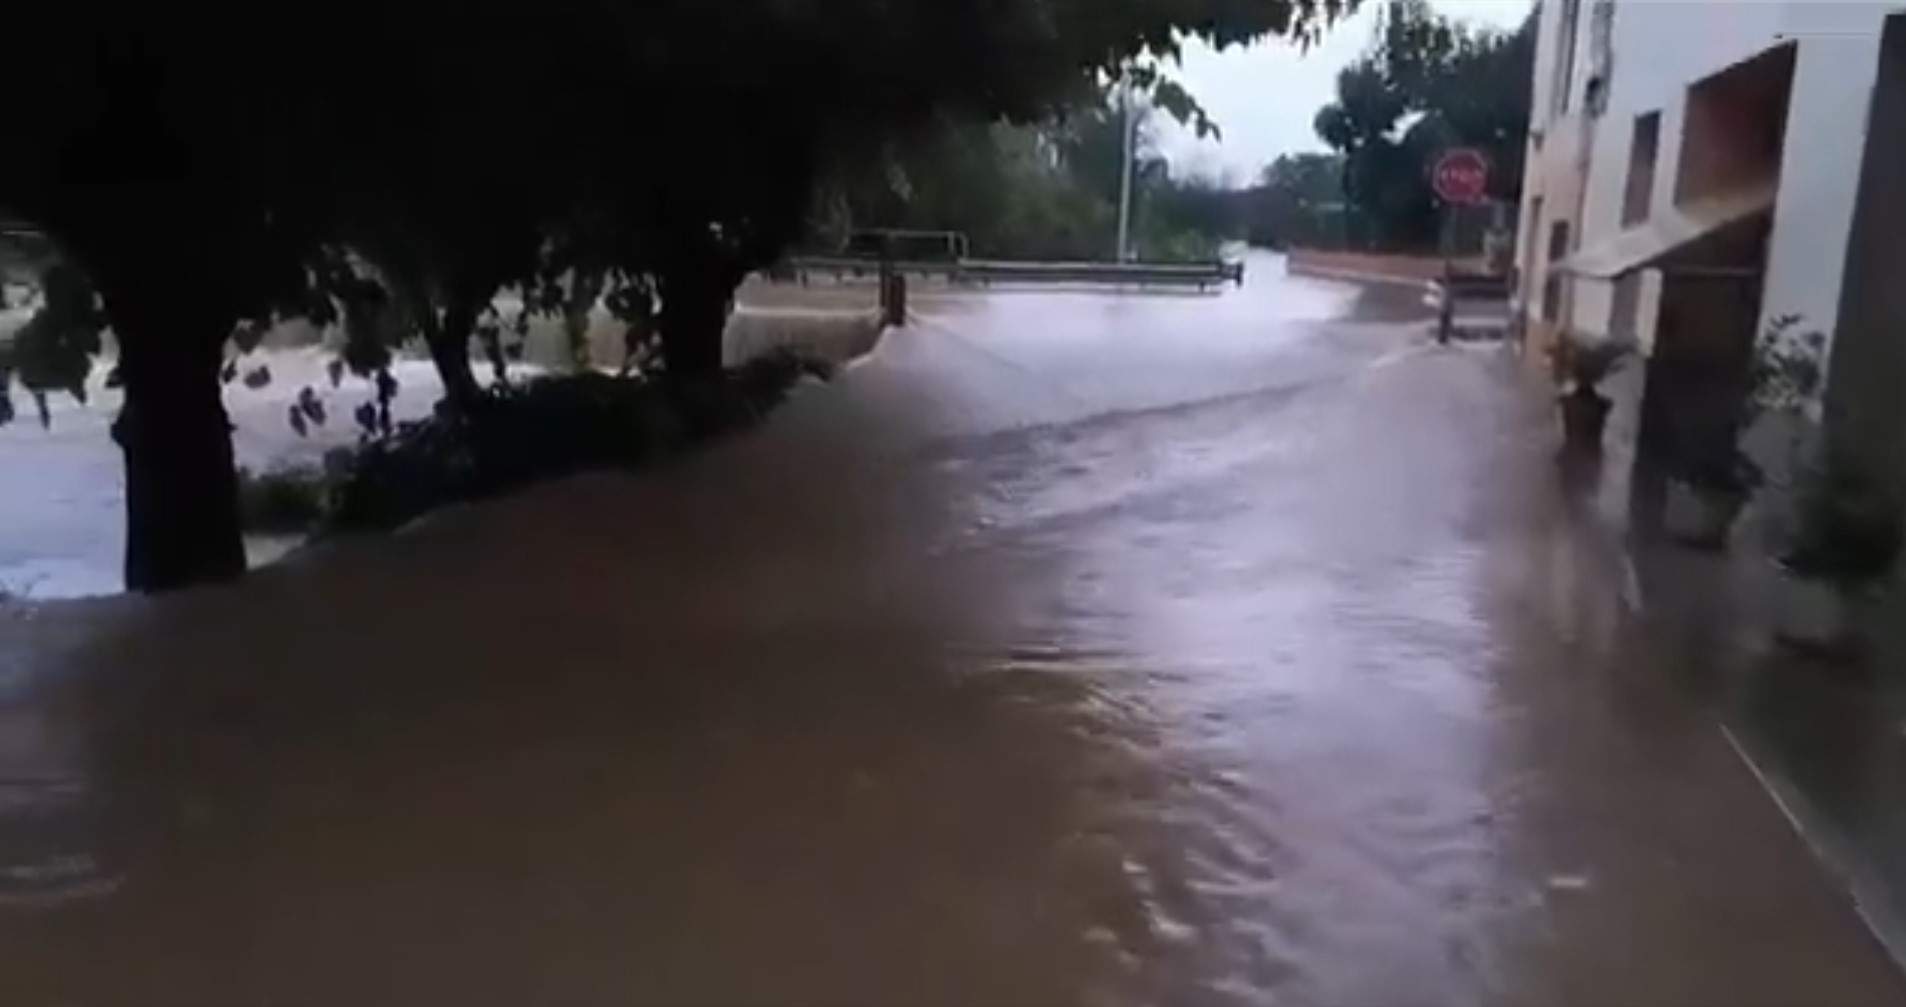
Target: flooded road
1074,648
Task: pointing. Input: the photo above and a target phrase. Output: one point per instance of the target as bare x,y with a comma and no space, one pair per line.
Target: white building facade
1695,173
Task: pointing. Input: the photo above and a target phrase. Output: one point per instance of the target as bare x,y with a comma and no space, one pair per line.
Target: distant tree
1001,185
1427,84
200,164
1047,190
1186,218
1298,201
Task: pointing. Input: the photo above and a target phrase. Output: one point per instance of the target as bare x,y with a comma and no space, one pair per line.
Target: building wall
1865,410
1553,168
1658,51
1838,60
1555,161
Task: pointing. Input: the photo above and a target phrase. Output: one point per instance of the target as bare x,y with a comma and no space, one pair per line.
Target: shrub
552,427
282,501
1849,527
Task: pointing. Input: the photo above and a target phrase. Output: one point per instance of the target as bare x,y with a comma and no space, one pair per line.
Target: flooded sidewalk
1823,728
1074,648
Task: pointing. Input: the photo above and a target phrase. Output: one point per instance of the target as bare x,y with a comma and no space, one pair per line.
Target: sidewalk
1825,738
1628,772
1825,735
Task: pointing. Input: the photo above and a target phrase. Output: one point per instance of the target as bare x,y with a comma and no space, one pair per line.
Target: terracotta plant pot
1811,616
1584,418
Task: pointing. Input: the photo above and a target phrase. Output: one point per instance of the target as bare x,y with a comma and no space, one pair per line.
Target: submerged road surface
1075,648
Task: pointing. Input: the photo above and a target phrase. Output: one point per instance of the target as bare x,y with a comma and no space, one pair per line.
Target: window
1565,54
1525,272
1601,38
1529,242
1637,200
1734,127
1552,285
1558,240
1624,314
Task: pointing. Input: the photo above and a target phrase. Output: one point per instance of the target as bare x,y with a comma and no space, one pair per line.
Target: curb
1870,901
1354,276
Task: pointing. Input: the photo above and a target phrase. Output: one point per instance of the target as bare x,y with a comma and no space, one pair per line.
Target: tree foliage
1297,202
1048,190
1427,84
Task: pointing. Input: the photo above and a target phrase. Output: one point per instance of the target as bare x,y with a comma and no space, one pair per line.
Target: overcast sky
1265,97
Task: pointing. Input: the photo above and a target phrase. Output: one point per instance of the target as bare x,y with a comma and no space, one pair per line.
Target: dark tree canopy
456,126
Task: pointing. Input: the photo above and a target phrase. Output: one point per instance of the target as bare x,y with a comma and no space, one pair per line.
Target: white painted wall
1838,59
1547,51
1546,17
1660,48
1551,166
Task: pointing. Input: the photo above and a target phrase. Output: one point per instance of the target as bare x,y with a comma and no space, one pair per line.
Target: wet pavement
1073,648
1824,728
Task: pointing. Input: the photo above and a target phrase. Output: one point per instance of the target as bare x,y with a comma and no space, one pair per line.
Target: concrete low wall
831,322
836,336
1371,267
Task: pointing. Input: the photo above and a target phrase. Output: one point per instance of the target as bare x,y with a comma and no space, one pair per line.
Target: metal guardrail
895,243
1200,274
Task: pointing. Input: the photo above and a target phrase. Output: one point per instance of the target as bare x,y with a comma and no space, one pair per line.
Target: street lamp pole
1125,174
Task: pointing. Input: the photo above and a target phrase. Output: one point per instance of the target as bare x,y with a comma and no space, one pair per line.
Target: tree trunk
585,288
449,342
695,304
181,491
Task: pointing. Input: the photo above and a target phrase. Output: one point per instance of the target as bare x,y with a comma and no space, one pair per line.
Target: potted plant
1707,497
1584,408
1715,482
1846,538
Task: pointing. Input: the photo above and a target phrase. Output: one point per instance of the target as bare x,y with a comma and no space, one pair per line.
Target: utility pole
1125,175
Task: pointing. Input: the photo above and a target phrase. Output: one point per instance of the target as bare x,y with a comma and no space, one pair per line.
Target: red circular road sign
1461,176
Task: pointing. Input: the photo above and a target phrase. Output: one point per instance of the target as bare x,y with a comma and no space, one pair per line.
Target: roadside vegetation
208,181
1042,191
543,428
1050,190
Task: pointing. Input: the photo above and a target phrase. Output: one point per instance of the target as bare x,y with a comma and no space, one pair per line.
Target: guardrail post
898,300
1446,312
893,294
884,284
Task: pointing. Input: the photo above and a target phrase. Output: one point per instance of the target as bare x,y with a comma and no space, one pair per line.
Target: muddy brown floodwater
1076,648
